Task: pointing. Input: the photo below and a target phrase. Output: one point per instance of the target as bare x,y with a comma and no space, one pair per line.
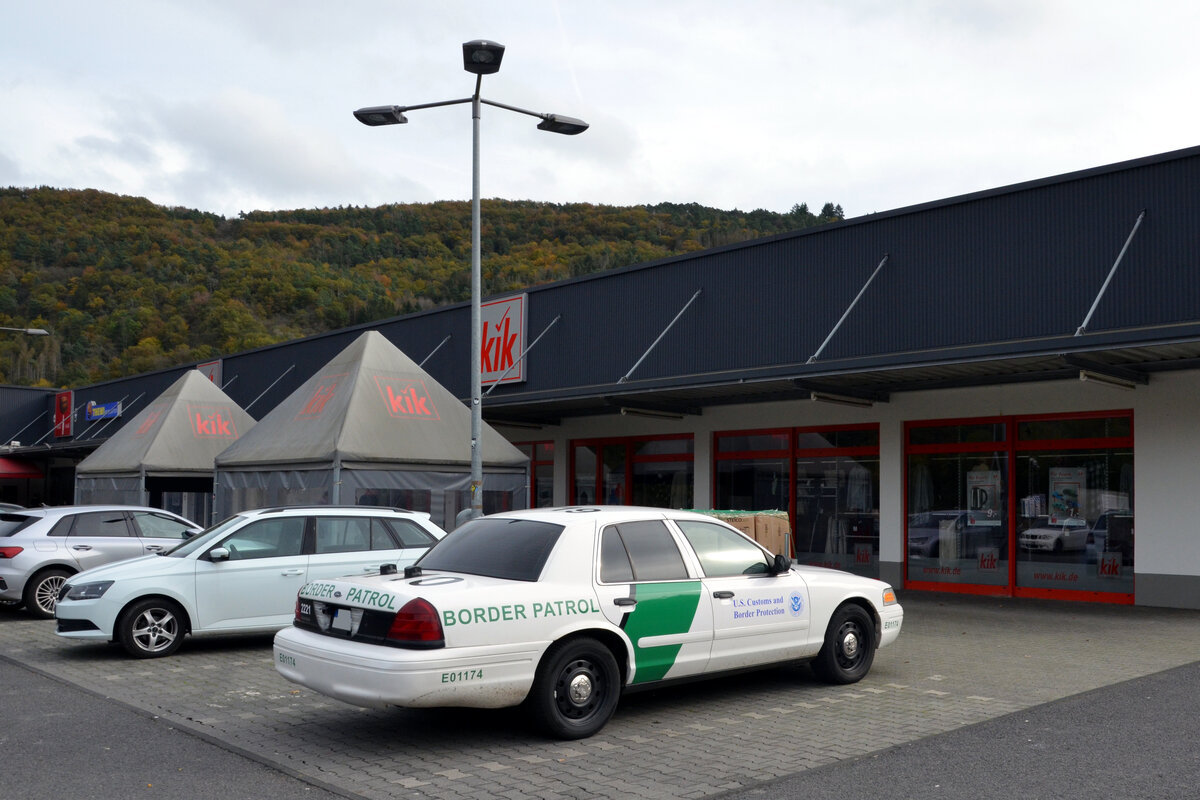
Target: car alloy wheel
151,629
41,594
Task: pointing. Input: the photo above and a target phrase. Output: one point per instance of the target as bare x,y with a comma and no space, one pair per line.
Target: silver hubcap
850,644
580,689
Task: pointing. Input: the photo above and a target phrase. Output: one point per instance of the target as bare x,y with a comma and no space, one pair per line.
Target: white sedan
240,576
566,608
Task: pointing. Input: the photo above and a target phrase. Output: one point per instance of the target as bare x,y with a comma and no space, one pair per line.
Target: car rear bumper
374,676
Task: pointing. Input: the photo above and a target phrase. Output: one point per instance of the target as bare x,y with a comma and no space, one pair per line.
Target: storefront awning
15,468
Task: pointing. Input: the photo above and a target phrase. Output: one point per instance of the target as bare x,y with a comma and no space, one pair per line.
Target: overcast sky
874,104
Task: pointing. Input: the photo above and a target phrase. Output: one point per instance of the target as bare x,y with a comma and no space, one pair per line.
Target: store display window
656,471
1022,506
541,472
826,478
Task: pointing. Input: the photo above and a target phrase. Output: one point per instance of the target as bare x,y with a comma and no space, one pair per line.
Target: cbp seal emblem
795,604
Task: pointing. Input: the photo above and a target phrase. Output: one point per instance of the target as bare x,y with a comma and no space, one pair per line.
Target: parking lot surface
959,660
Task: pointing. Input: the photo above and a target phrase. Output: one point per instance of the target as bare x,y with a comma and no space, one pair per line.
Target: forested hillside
126,286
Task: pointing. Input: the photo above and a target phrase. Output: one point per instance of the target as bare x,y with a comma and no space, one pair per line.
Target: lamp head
557,123
482,57
380,115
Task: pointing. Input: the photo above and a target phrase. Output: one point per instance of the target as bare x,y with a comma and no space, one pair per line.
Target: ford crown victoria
563,609
240,576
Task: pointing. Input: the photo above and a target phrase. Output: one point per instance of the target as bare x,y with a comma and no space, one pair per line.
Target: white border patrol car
563,609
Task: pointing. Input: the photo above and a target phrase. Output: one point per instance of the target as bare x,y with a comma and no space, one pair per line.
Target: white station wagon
240,576
563,609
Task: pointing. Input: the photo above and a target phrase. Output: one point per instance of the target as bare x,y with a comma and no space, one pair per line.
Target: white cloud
867,103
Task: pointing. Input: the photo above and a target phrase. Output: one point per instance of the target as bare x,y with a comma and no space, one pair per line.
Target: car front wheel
151,629
41,593
849,647
576,689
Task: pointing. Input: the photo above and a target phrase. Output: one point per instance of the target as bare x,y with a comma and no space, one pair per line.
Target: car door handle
724,594
625,601
81,547
155,548
292,572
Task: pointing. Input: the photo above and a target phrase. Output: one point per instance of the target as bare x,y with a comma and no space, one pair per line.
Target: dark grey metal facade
985,288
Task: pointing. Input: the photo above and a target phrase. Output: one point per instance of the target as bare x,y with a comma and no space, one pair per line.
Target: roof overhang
864,381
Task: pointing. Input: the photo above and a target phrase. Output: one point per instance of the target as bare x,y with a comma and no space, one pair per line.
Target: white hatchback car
240,576
566,608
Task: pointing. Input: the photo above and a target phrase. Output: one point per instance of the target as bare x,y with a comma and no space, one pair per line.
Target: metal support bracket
853,303
1083,328
625,378
521,357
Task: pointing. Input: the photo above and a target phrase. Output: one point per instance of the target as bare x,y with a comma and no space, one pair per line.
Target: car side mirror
781,565
219,554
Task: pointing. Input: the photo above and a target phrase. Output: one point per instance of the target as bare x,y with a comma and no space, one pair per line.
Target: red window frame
1011,446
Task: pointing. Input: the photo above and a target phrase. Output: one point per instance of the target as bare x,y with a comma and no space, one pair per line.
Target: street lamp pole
480,57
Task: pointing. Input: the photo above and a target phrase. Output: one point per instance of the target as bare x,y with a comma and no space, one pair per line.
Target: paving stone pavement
959,660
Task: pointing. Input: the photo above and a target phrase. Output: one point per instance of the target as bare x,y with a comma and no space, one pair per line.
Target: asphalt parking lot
958,661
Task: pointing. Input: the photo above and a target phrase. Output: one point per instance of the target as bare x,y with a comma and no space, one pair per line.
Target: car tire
151,628
849,647
41,593
576,689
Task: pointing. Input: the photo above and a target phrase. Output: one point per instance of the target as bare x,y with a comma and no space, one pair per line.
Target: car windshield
202,540
515,549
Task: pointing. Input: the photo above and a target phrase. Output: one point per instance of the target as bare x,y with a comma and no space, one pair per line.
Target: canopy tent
169,447
371,428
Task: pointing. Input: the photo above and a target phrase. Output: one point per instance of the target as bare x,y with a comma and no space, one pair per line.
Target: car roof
333,510
563,515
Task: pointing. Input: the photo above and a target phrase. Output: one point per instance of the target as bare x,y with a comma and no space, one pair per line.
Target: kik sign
406,398
325,390
212,421
502,340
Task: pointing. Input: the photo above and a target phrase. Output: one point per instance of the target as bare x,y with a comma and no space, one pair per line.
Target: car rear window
11,523
515,549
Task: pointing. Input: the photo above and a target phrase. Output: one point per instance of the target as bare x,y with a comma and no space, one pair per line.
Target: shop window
1047,513
644,471
541,472
826,478
957,517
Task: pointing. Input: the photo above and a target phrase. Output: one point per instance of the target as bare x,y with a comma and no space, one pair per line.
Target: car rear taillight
9,552
416,622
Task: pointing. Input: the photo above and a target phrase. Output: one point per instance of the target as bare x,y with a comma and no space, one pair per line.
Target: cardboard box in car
771,529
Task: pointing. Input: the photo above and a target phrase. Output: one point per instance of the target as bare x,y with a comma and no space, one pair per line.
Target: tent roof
183,430
371,403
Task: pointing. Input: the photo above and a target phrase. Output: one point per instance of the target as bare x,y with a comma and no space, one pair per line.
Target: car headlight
87,591
889,597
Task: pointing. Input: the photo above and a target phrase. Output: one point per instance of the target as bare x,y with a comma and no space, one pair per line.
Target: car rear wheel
576,689
849,647
41,593
151,629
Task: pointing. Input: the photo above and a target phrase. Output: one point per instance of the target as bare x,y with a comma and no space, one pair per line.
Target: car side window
722,552
267,538
157,526
640,551
345,535
410,533
100,523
